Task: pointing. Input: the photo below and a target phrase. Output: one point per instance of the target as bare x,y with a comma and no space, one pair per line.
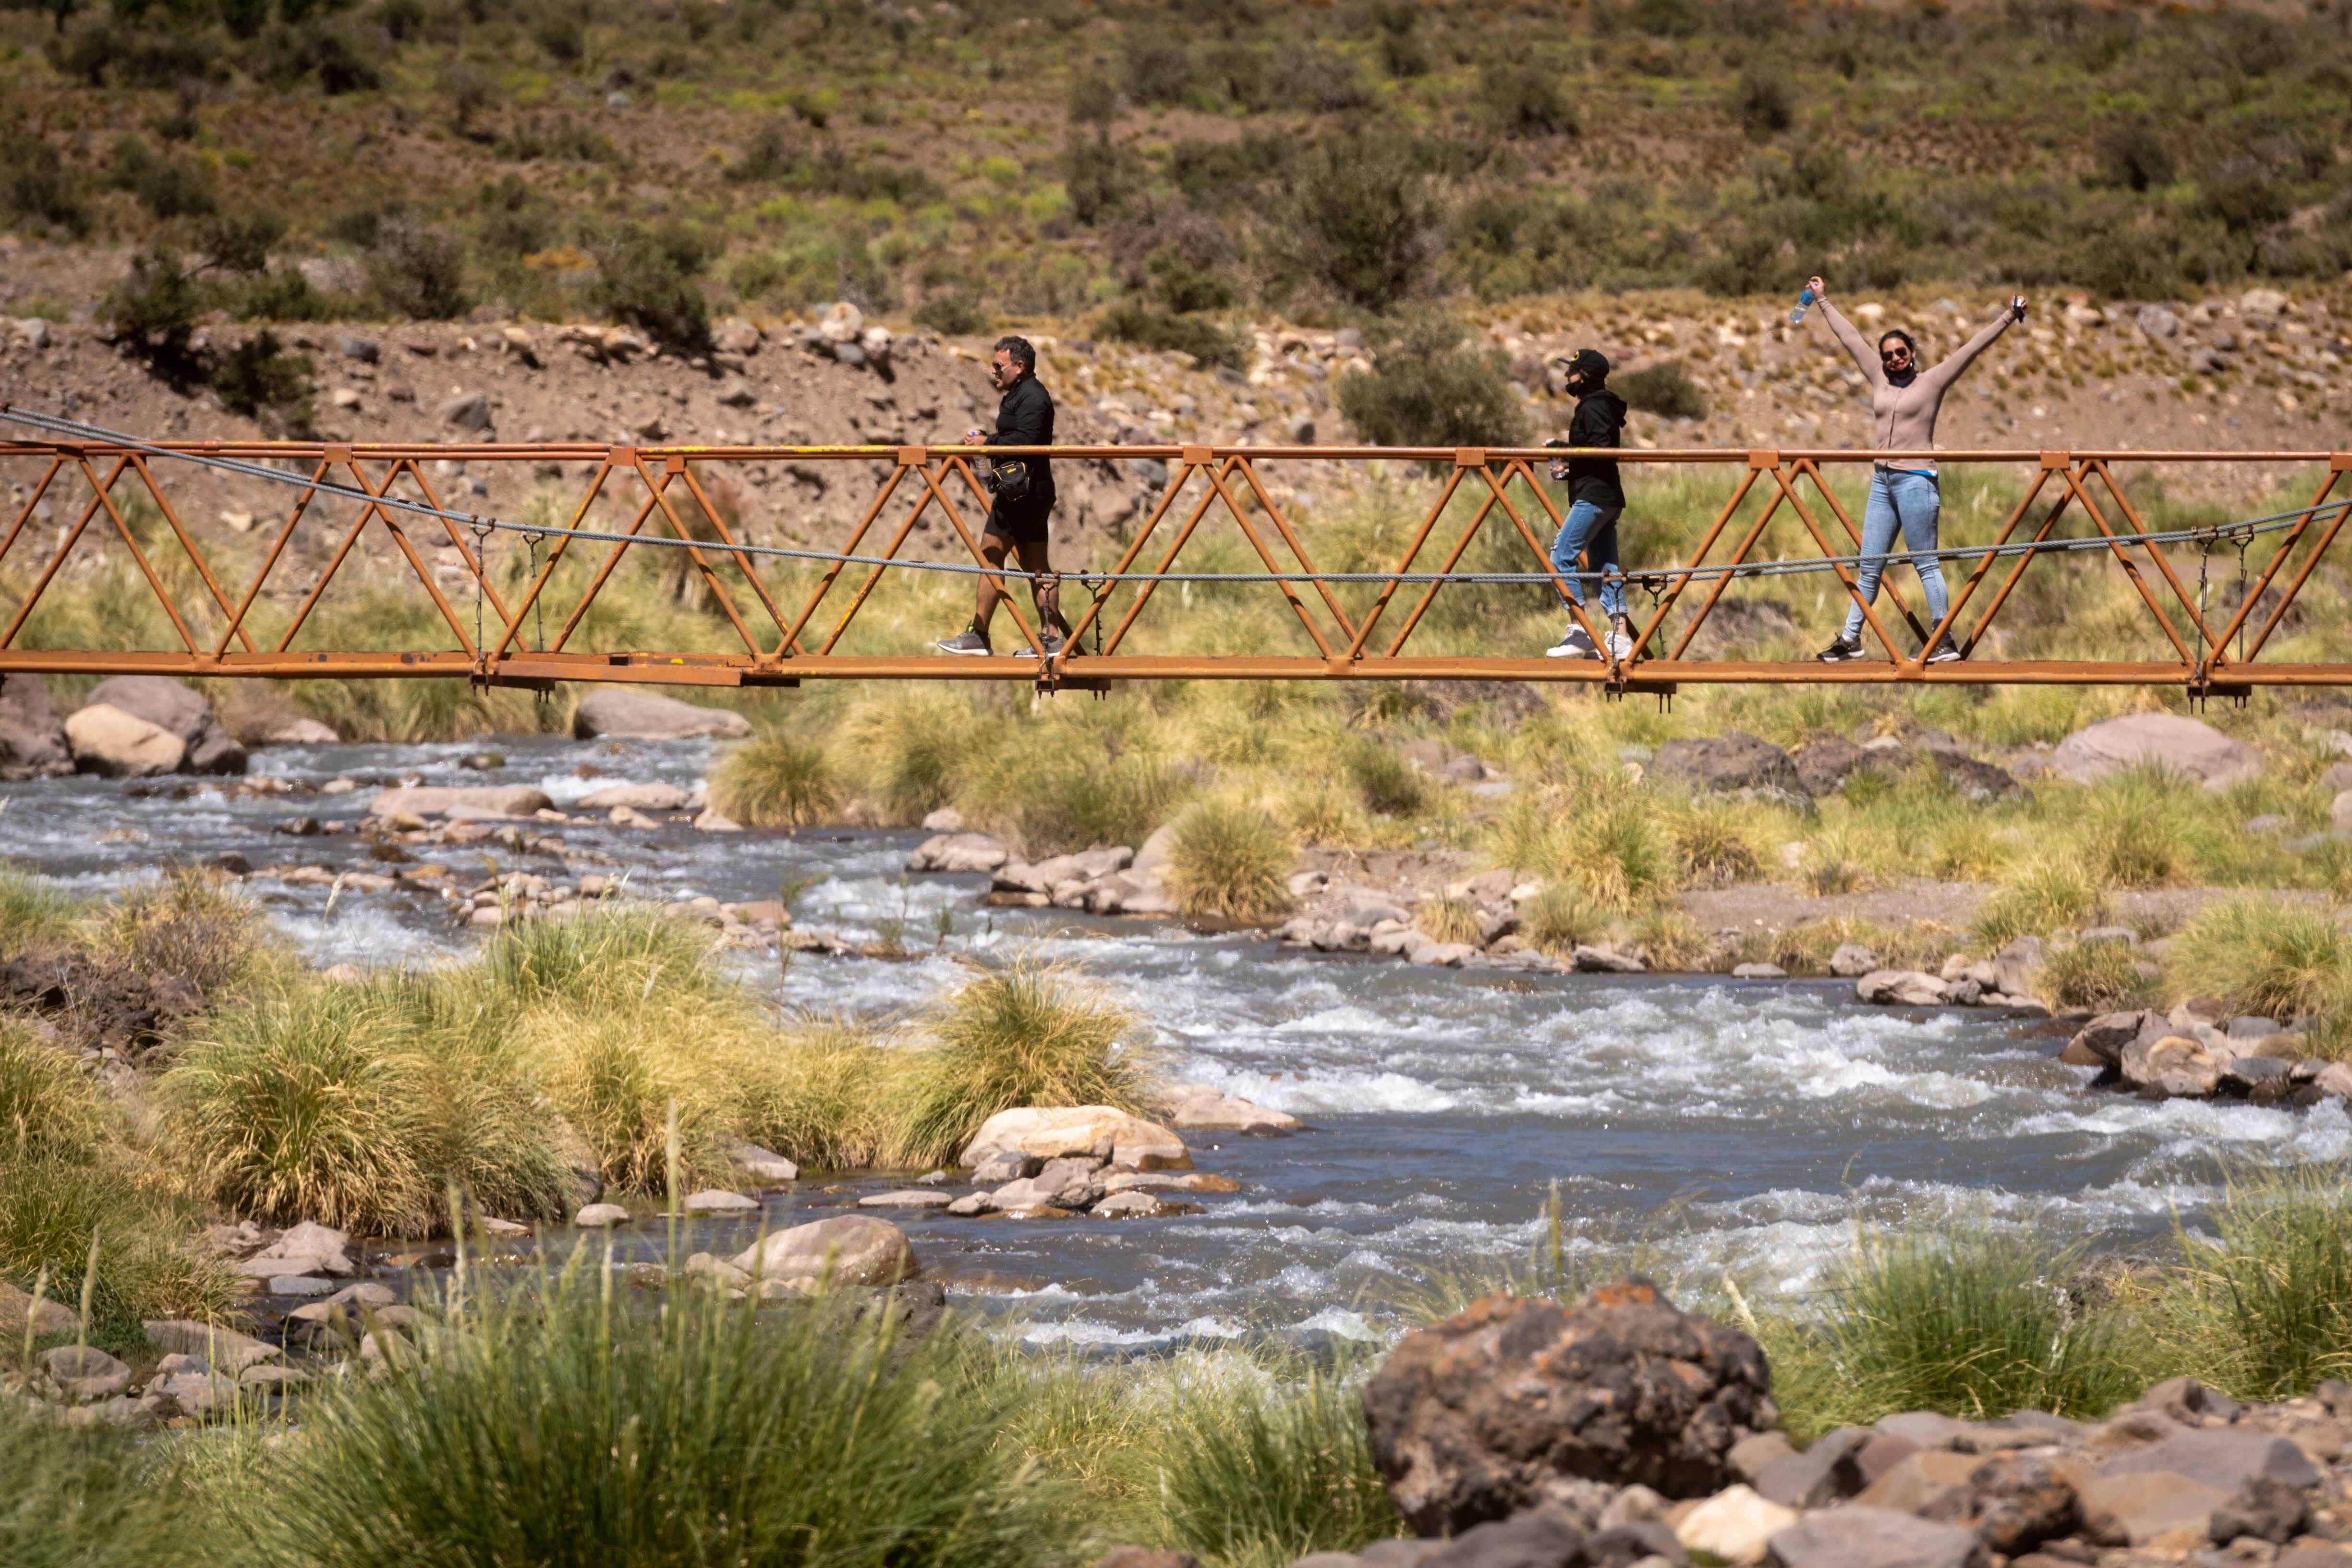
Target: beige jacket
1903,418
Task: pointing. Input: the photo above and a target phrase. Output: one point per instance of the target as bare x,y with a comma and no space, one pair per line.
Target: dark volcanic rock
1512,1399
1729,763
32,736
2014,1503
1826,761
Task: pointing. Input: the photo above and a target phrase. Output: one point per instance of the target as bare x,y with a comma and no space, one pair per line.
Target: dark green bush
646,277
1396,25
260,379
1431,389
1159,72
1763,102
561,31
240,242
34,184
1184,281
1665,389
1134,322
1093,100
285,295
1214,175
953,312
1363,221
2133,155
418,269
557,136
111,49
1100,175
773,152
1524,99
154,305
325,50
165,186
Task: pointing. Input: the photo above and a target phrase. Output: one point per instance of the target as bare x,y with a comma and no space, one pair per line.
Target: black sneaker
971,641
1945,651
1843,651
1575,643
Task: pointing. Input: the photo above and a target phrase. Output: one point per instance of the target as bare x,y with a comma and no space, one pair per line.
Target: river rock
1902,988
198,1394
219,1347
1734,1525
2017,968
1825,1473
2135,1509
713,1200
1539,1538
2175,1063
2103,1039
1589,959
1729,764
1977,781
907,1198
1919,1482
764,1163
49,1317
1202,1106
964,853
84,1373
165,703
2166,741
475,800
859,1249
1101,1132
1134,1205
114,744
628,713
304,1249
1873,1537
1473,1417
2224,1458
636,797
2013,1502
601,1216
1852,961
32,737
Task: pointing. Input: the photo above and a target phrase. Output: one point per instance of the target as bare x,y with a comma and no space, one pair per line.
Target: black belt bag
1008,479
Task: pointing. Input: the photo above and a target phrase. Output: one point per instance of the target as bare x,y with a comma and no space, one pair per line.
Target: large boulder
958,853
48,1318
2166,741
1512,1398
1728,763
165,703
1095,1131
478,800
113,745
2174,1064
32,737
223,1349
1902,988
1826,761
855,1249
628,713
636,797
2225,1457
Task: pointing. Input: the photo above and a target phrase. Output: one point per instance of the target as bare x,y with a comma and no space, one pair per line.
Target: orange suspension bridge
792,630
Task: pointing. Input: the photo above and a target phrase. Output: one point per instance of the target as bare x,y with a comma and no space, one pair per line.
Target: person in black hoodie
1023,501
1596,499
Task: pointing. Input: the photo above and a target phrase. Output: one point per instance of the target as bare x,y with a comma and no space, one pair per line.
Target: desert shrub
2131,155
646,277
1559,918
1763,102
776,780
240,242
1713,849
285,295
2263,1309
561,31
164,185
1970,1322
815,1436
1100,175
1448,919
1431,389
1522,97
1230,860
2104,976
190,924
2270,959
418,269
1389,786
1256,1475
955,313
34,184
1665,389
155,304
1031,1033
260,379
1094,100
2043,894
1362,221
1132,322
1611,850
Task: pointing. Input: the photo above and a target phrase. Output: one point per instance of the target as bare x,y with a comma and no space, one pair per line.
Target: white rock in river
117,746
632,714
907,1198
636,797
1901,987
858,1249
713,1201
1204,1106
1101,1131
600,1217
764,1163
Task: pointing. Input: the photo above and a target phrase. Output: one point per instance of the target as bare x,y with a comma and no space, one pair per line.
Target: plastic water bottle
1804,303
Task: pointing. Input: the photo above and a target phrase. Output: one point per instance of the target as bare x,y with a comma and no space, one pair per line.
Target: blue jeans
1590,528
1913,504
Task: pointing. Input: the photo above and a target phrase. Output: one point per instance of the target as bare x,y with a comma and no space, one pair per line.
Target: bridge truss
792,607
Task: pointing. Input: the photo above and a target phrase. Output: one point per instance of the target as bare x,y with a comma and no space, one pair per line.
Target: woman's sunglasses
1894,356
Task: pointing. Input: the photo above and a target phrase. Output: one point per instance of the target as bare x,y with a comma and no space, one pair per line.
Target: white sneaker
1621,648
1574,643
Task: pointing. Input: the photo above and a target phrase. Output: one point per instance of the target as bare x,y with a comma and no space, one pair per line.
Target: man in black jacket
1595,500
1024,498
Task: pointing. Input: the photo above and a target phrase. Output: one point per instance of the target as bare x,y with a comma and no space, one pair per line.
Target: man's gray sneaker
1945,651
1574,643
1053,640
1843,651
965,642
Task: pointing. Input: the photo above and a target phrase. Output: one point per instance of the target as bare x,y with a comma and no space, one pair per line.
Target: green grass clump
2272,958
1253,1475
1033,1033
1970,1322
190,924
1389,786
1446,918
826,1093
1229,860
1557,920
2265,1309
2038,896
83,1498
774,781
47,1102
2102,976
33,909
582,1429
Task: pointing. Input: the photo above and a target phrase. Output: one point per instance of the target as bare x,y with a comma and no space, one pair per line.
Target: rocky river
1718,1124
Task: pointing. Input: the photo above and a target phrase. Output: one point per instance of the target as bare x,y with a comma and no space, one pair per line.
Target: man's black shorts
1020,521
